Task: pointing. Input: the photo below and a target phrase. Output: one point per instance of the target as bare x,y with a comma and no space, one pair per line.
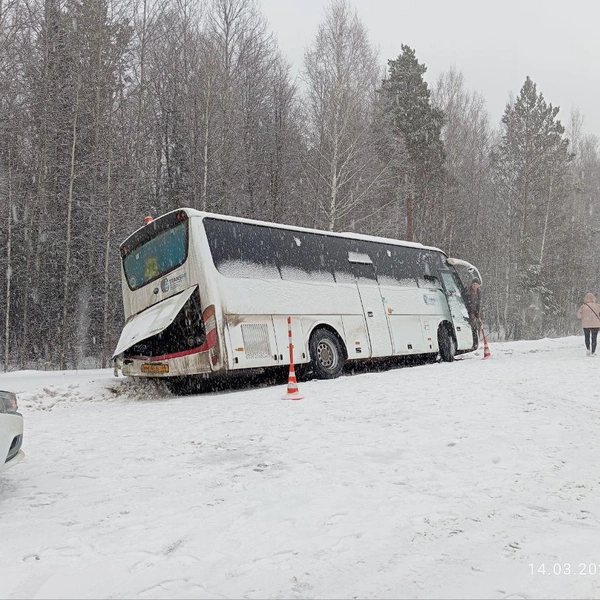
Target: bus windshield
157,255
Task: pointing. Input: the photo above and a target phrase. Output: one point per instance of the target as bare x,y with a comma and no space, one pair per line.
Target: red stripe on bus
211,340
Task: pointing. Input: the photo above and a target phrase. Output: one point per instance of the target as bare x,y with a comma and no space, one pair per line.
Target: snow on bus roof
192,212
383,240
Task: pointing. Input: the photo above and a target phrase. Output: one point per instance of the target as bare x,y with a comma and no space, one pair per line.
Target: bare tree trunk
8,262
507,327
410,231
205,148
546,221
67,275
333,180
140,107
30,258
103,355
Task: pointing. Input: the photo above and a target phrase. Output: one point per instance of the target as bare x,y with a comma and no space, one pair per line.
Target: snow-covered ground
436,481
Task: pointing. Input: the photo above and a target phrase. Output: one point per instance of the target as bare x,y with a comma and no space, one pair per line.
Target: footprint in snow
260,467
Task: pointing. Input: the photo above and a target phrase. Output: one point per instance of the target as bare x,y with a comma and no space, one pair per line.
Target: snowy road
438,481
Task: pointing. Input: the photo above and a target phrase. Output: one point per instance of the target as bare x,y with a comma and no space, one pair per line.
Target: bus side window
302,256
337,255
242,250
318,257
290,249
259,251
224,241
393,266
428,262
361,261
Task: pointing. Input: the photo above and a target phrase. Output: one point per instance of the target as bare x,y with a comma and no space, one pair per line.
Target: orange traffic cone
293,393
486,348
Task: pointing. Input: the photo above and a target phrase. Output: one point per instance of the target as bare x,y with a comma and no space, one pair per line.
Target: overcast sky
495,44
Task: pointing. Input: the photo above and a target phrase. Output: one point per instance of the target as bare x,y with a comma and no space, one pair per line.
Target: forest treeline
111,110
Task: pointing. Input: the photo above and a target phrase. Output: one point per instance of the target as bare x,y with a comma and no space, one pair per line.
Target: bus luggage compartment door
458,311
252,342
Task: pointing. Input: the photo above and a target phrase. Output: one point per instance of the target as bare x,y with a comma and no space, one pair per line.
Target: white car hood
151,321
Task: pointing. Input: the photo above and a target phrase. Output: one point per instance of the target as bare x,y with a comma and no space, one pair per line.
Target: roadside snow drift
477,479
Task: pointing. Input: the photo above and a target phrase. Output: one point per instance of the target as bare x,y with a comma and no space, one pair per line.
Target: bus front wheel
327,355
446,344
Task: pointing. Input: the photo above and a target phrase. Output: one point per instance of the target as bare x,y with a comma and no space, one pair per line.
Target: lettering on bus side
173,283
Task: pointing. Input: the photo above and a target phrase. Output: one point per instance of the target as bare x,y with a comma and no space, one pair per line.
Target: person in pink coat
589,313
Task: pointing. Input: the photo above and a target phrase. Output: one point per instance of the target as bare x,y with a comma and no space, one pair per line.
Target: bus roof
192,212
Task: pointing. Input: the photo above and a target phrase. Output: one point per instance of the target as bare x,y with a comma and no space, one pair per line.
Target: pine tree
531,171
419,124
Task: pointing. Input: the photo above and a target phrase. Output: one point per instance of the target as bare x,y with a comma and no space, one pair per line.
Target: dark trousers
591,332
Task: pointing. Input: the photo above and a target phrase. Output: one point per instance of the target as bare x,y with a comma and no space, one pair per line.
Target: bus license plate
155,368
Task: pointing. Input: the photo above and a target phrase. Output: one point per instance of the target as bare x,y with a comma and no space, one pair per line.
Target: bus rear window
155,257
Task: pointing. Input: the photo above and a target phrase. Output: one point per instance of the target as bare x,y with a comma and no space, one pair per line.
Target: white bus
207,295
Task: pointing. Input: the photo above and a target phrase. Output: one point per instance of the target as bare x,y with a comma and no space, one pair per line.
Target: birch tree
13,165
341,75
467,138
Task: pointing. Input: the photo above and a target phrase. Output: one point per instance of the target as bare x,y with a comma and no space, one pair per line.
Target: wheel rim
327,355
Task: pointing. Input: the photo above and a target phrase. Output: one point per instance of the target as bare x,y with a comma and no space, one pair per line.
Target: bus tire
446,344
326,354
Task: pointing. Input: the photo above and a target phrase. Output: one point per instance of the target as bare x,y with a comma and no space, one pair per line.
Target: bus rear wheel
446,344
327,355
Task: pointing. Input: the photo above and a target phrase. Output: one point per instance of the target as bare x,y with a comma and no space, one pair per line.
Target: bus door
466,271
458,310
372,304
